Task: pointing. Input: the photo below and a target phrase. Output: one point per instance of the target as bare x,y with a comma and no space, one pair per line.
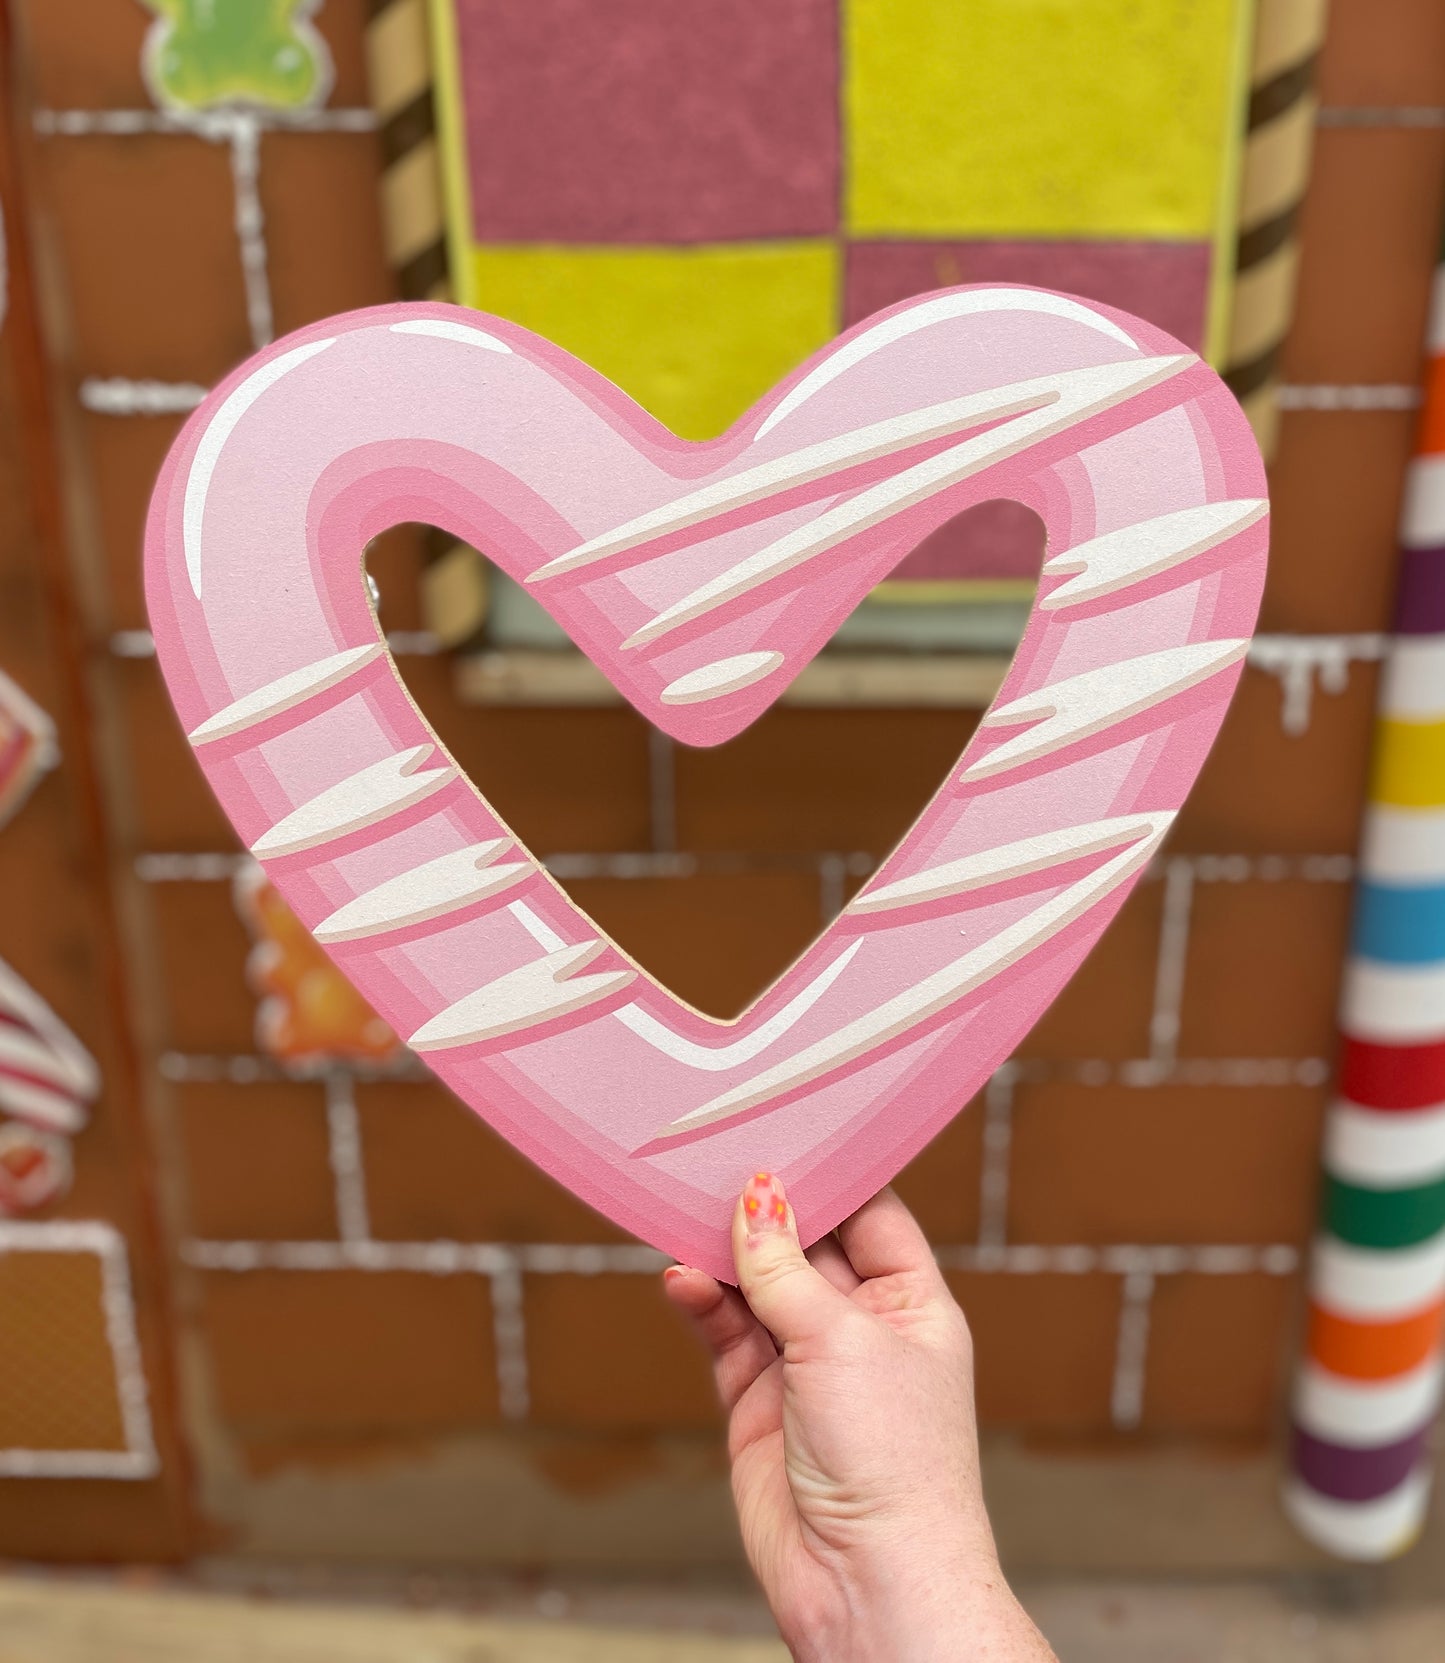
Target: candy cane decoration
27,746
47,1079
1370,1385
46,1075
701,579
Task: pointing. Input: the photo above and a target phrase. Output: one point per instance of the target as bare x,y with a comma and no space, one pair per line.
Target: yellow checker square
1100,118
696,334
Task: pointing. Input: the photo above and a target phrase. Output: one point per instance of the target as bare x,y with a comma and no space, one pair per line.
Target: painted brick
564,780
1263,969
817,779
1335,488
91,1522
607,1351
716,939
1264,790
319,192
1383,53
255,1161
25,630
82,56
345,1352
202,946
125,454
584,1465
46,918
147,236
1218,1354
1105,1007
941,1185
1163,1164
434,1171
1369,236
663,125
1043,1348
341,23
48,881
170,806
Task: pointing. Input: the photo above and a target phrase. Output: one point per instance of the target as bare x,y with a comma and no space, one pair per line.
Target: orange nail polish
765,1207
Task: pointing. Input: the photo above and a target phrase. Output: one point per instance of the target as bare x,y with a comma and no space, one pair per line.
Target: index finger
883,1239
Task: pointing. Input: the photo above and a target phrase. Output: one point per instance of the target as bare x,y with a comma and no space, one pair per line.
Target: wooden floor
45,1619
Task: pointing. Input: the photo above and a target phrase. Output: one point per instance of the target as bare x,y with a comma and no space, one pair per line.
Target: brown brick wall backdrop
398,1338
85,1347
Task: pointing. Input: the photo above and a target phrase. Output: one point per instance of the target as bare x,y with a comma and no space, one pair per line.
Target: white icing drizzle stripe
433,890
363,799
1008,861
716,681
537,992
1079,706
286,692
933,994
1137,552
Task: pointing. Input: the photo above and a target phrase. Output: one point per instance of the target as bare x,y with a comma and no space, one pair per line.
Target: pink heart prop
701,578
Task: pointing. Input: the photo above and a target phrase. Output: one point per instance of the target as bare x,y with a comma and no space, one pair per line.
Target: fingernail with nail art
765,1206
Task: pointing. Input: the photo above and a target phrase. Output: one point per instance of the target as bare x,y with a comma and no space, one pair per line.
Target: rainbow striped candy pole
1370,1385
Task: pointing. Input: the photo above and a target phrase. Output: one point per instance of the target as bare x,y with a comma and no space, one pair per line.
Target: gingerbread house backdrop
264,1288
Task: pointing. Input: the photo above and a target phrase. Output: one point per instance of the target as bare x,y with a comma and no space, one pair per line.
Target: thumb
792,1300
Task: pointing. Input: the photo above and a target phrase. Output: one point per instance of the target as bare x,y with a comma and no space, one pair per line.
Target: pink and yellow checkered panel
694,196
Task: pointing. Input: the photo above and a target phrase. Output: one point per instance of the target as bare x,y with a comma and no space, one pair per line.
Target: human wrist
934,1604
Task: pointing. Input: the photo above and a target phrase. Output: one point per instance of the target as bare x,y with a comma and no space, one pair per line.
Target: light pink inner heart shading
701,578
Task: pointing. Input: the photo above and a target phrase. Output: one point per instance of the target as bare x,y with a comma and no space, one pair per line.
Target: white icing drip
1297,659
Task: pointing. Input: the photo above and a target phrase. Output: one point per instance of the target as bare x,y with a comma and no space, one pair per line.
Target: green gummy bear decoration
200,53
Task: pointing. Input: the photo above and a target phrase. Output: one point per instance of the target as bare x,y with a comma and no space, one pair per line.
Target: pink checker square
633,121
1165,283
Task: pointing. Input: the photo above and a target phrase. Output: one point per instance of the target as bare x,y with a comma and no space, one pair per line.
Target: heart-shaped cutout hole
754,845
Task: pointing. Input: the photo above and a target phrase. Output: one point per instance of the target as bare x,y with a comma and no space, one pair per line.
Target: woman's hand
847,1377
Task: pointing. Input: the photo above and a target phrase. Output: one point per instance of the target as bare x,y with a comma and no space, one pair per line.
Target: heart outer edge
409,878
